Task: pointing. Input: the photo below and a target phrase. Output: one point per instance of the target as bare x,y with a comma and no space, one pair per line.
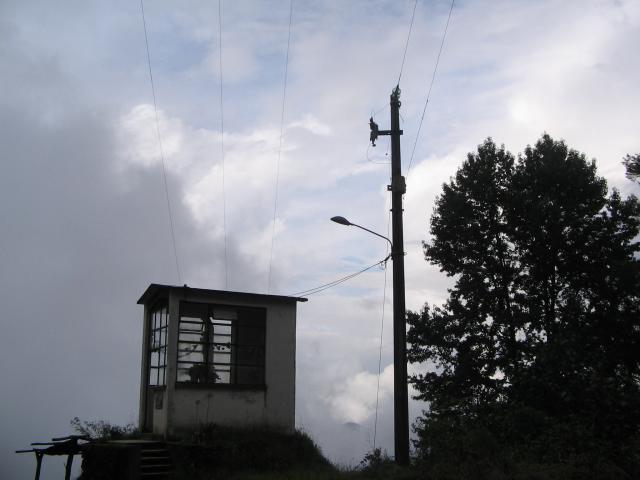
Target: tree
544,314
632,164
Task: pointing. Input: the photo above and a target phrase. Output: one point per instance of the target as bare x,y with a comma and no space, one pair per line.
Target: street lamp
344,221
400,386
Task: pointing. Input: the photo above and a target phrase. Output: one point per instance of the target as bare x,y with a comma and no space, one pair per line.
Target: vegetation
535,357
227,452
103,431
230,453
263,454
632,164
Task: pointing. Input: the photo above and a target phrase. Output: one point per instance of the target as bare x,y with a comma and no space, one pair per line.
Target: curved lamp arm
344,221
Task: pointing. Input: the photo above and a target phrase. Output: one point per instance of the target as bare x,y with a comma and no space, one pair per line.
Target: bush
377,464
523,444
224,451
101,430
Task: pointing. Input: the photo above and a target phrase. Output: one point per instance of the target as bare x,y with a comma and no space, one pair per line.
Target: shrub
101,430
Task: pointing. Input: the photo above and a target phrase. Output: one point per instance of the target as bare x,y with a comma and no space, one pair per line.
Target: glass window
221,344
158,321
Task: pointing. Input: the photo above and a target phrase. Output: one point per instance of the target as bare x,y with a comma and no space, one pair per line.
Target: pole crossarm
376,132
390,132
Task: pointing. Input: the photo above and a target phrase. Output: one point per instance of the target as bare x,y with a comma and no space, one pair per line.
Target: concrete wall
157,405
229,407
185,407
280,370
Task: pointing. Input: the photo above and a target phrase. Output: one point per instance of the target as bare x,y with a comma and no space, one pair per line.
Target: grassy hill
266,454
233,454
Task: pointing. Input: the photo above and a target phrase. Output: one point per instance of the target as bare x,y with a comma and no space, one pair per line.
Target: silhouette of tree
632,164
545,310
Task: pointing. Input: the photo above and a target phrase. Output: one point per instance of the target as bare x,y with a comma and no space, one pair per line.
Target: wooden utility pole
398,189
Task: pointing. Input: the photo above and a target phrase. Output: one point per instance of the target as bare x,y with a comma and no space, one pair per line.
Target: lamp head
341,220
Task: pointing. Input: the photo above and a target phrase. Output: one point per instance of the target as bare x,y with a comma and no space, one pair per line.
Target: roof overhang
155,291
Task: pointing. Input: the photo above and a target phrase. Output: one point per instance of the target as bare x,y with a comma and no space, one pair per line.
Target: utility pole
397,188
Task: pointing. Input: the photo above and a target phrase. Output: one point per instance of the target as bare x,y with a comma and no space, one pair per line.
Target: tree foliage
632,164
543,321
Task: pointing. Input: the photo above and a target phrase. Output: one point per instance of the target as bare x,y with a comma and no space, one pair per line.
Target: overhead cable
406,45
384,301
284,96
224,196
433,77
320,288
161,148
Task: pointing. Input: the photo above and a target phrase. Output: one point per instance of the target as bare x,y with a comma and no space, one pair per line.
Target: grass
226,453
265,454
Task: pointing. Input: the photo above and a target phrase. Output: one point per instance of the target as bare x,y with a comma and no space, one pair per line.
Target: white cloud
354,399
83,201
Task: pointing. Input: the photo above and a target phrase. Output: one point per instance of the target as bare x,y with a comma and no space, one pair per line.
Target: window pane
183,375
187,336
221,358
221,348
224,313
193,310
155,359
250,336
222,339
194,347
165,317
249,375
191,356
249,355
220,321
222,376
197,373
163,356
153,376
152,343
221,329
192,324
252,317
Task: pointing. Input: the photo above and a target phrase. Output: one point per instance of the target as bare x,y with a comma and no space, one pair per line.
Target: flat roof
155,289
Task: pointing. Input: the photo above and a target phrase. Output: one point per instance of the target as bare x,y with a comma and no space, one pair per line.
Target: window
221,344
158,346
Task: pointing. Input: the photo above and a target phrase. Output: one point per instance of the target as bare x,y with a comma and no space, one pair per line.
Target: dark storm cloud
79,242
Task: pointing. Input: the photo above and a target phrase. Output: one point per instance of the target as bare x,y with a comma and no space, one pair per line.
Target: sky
84,224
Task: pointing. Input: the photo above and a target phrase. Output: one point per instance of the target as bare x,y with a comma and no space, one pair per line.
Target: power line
164,169
384,301
284,95
375,162
406,45
224,196
326,286
433,77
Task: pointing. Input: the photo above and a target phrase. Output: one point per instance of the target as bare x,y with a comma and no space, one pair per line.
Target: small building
216,357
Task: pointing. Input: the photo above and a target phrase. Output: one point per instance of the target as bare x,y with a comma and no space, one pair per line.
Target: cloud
354,400
83,211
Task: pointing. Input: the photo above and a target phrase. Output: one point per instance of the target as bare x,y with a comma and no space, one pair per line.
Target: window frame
158,331
227,341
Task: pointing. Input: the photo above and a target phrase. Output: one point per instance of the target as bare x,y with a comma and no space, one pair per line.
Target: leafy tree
632,164
544,314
